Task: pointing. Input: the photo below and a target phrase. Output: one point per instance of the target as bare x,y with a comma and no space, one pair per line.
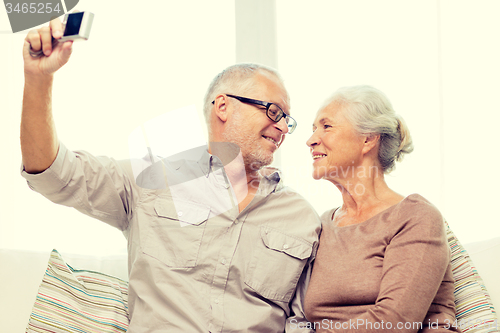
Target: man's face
249,127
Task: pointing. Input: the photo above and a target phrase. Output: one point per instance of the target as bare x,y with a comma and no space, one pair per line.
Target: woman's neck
363,197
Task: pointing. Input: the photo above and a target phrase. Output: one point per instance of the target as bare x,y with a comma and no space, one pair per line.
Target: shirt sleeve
415,262
99,187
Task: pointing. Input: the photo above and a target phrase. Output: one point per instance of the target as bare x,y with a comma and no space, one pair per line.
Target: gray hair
236,79
369,111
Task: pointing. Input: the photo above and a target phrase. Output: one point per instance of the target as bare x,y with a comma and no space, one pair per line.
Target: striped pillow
72,300
474,311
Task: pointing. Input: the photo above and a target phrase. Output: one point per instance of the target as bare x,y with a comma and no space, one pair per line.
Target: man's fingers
41,39
67,48
56,27
46,37
26,48
33,38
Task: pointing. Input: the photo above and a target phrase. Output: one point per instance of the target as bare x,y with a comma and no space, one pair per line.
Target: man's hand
52,58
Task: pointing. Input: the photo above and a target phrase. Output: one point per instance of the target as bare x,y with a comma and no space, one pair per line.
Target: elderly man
216,243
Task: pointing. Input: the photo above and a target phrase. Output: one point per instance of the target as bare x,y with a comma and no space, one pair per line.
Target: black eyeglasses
273,111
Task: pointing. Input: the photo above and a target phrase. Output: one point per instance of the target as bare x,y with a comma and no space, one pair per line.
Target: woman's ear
370,143
220,106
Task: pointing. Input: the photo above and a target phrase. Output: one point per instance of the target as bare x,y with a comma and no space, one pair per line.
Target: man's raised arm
39,143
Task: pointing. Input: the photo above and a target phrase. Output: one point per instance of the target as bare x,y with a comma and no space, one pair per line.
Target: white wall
141,60
437,62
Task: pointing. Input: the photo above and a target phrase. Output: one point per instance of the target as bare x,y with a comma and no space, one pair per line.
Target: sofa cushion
474,309
71,300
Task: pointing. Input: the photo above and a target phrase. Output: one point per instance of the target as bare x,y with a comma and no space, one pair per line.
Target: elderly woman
383,264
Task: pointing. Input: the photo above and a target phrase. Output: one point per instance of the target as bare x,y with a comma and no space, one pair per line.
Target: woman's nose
312,141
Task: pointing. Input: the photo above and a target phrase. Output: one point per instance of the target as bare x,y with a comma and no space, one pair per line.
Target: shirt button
285,246
236,221
180,213
216,301
223,261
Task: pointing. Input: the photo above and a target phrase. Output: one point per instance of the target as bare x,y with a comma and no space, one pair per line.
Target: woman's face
335,146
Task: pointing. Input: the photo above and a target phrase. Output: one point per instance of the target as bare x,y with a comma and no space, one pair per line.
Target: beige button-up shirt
196,264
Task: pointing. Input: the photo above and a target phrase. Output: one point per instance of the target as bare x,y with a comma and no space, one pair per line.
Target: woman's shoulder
417,209
416,202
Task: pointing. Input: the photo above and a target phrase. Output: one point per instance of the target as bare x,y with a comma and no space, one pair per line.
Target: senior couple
219,246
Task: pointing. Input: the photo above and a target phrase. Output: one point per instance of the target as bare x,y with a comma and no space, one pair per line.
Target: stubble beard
255,156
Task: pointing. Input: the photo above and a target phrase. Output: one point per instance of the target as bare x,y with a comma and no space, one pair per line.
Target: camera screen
73,24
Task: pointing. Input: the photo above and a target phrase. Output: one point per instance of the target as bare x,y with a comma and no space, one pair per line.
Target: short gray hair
370,112
236,79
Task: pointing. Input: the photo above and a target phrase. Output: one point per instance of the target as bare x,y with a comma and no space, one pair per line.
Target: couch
22,271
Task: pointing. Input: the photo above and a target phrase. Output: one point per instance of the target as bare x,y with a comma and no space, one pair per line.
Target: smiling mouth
271,140
319,156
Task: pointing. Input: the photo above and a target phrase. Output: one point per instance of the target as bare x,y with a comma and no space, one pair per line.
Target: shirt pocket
176,231
277,264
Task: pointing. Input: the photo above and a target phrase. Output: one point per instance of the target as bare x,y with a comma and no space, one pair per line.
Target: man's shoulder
287,196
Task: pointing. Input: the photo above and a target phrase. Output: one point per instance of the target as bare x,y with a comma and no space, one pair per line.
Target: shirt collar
272,176
205,162
208,161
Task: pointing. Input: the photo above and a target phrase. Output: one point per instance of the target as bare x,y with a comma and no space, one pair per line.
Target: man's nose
282,125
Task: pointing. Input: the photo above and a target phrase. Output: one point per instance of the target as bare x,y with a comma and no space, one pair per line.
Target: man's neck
244,179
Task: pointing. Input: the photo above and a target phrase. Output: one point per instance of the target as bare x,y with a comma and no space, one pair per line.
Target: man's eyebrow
282,107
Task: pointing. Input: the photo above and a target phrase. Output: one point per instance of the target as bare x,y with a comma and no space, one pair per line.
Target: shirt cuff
50,178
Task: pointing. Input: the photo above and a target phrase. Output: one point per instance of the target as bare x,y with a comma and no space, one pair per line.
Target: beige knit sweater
390,273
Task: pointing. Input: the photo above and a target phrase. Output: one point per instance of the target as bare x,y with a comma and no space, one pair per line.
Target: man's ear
371,141
220,106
